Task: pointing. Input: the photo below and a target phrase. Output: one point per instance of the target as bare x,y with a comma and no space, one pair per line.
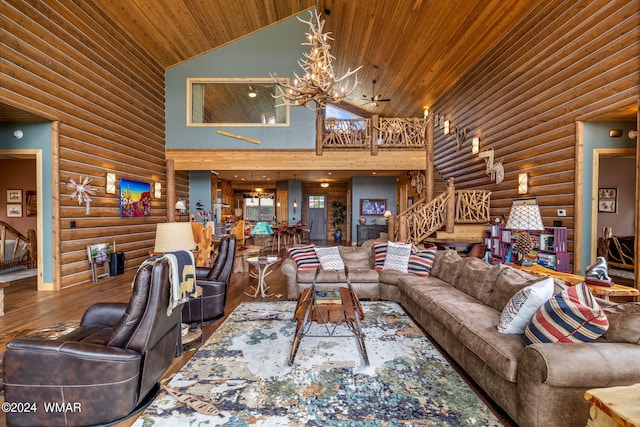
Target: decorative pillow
353,257
397,257
380,251
572,315
450,267
420,262
330,258
304,256
523,306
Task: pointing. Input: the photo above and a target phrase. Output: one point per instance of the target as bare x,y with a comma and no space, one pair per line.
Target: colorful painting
135,198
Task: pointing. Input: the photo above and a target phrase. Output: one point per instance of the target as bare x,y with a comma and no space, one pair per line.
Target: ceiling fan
374,100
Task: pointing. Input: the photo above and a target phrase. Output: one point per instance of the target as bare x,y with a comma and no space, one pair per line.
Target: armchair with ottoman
462,302
107,368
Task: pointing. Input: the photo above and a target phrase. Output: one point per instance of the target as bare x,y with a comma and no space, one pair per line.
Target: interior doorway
614,202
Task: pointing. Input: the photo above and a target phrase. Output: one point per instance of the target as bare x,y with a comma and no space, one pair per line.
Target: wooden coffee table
343,307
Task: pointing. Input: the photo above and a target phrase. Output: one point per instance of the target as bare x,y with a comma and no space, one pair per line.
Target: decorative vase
363,220
337,235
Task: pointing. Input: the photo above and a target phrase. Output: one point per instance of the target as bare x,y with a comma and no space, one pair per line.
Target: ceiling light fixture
324,185
318,83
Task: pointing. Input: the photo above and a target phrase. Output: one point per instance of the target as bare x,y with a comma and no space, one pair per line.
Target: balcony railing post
375,120
319,130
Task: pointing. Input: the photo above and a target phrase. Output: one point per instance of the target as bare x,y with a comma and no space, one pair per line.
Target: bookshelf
550,246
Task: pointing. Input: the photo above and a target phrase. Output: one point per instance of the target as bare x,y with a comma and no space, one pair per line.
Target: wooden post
636,252
171,191
375,120
319,130
403,229
429,170
451,206
391,228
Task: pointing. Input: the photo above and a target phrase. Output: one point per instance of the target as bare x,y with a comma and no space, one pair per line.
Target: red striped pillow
380,250
420,262
304,256
572,315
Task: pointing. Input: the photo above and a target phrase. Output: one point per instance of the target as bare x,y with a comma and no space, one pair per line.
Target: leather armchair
107,368
215,285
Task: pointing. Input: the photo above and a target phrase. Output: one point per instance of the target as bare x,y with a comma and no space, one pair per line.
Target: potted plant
339,214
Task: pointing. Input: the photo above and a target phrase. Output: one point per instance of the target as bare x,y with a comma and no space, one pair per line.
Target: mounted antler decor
494,169
81,191
319,83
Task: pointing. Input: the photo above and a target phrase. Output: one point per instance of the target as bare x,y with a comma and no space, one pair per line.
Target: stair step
472,232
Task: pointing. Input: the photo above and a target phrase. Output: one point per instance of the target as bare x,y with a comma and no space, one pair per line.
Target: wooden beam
303,160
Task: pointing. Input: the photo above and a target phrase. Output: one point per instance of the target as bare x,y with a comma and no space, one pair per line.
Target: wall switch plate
562,212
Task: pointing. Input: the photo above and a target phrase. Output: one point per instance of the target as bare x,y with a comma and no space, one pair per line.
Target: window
316,202
259,209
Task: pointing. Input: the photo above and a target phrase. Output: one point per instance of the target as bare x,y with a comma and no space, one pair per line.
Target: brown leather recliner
215,285
104,370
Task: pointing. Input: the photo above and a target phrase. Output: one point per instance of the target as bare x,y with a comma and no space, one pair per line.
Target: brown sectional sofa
459,306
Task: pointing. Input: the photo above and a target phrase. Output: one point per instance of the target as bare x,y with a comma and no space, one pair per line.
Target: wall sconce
633,134
110,185
425,113
446,127
157,190
475,145
18,134
523,183
295,205
615,133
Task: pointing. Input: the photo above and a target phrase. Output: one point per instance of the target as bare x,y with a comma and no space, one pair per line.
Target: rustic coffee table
329,308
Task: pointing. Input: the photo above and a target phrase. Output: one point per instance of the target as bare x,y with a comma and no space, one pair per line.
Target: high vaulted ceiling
415,49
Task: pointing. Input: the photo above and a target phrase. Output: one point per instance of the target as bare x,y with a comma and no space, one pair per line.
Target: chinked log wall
69,61
565,62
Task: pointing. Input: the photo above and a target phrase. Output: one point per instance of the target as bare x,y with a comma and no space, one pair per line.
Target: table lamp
174,236
524,218
261,229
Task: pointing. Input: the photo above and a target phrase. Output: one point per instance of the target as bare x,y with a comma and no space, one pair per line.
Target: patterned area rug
242,369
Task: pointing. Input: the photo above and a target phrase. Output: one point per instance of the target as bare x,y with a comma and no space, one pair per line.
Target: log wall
561,64
68,61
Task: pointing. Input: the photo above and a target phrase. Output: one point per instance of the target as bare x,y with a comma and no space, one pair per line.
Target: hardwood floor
27,310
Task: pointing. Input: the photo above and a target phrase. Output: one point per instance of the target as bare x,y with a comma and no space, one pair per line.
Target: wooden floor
27,311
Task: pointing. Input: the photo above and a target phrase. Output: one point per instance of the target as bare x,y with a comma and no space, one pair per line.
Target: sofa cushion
304,256
569,316
508,282
450,267
624,323
330,258
354,258
397,257
477,278
390,277
324,276
522,306
421,261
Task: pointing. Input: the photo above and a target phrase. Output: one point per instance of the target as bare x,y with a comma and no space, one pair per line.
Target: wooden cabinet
370,231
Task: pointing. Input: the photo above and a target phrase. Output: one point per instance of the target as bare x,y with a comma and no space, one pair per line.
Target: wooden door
317,216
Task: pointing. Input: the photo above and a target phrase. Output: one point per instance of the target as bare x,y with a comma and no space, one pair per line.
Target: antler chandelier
319,83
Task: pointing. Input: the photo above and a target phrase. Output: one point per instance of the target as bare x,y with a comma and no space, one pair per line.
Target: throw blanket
182,276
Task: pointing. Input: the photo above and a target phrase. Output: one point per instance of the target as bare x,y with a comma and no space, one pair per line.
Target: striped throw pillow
304,256
380,250
572,315
421,261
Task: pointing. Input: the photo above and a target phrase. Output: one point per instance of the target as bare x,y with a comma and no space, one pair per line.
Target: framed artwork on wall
373,206
14,196
135,198
608,199
14,211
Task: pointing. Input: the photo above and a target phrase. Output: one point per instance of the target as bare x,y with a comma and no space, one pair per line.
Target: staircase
454,216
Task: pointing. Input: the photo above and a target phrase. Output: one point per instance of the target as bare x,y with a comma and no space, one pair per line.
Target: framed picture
373,206
14,196
608,200
135,198
14,211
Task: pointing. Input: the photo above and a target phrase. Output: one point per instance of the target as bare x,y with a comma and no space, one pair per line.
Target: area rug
242,369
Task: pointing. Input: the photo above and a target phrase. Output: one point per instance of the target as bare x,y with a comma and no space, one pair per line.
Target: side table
262,265
614,406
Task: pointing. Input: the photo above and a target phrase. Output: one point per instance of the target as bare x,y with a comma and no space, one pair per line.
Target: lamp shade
387,213
180,205
261,228
524,217
174,236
